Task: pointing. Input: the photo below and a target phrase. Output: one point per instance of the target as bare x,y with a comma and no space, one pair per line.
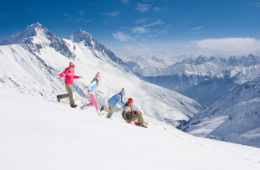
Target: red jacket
69,76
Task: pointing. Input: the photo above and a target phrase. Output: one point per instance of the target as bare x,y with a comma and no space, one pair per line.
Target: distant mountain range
229,87
205,79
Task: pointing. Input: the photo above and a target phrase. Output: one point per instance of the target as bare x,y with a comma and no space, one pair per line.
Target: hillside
39,134
234,118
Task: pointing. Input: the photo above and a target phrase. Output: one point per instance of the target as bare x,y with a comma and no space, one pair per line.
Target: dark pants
69,95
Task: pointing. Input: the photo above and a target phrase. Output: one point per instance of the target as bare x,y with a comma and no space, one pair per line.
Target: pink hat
98,76
72,64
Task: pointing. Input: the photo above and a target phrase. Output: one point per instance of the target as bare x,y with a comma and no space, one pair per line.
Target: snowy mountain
36,37
234,118
31,61
98,49
150,64
207,66
39,134
191,76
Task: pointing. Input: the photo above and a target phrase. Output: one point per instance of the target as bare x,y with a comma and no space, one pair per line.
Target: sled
138,124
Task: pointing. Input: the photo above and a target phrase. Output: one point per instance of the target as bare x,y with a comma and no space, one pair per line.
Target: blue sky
132,25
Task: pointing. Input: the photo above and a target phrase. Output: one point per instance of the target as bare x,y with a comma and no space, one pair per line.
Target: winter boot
99,113
145,125
58,99
73,106
83,107
102,108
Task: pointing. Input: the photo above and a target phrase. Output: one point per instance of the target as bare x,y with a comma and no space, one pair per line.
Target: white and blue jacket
93,86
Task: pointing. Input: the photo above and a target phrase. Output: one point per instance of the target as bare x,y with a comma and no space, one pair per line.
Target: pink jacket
69,76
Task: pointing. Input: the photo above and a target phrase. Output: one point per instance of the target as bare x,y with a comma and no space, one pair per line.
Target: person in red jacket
129,114
69,77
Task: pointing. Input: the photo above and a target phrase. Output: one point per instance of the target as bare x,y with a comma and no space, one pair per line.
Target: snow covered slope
39,134
31,61
234,118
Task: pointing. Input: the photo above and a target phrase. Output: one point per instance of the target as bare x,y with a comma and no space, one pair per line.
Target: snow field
39,134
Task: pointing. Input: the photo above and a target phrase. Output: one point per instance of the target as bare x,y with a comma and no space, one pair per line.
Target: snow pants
136,116
110,110
68,95
93,101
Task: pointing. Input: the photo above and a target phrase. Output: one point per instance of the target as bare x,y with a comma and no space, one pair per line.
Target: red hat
71,64
130,100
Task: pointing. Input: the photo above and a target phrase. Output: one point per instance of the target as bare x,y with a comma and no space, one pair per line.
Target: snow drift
40,134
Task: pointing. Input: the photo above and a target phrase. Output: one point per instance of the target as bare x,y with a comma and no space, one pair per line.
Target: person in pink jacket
69,78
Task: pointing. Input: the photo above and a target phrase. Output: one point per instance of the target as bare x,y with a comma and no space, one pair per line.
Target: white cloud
112,14
145,28
256,4
224,47
228,46
136,49
81,13
164,30
196,32
140,30
143,7
158,22
157,9
77,19
125,1
122,37
140,21
196,28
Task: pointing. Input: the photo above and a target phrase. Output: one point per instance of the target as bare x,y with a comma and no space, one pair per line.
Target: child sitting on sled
130,115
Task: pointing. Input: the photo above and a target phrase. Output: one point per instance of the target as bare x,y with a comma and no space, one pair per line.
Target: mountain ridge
232,118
